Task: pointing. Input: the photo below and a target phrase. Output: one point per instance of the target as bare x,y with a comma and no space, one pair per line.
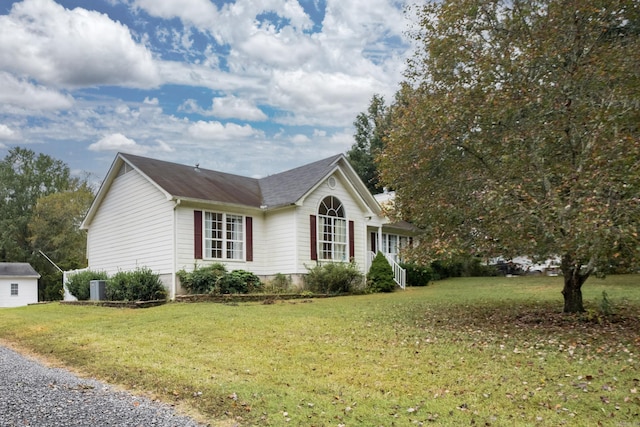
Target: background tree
519,133
32,219
371,128
54,229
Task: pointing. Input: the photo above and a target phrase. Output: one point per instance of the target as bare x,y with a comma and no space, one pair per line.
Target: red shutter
314,237
249,223
197,234
352,243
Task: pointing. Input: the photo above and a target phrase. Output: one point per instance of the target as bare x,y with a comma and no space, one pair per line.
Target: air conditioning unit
97,290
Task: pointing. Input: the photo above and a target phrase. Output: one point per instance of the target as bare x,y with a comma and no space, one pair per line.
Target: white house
167,217
18,284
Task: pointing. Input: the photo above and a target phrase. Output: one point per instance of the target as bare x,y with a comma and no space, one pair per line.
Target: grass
477,351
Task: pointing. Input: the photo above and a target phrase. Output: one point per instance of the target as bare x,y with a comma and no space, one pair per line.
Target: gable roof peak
286,188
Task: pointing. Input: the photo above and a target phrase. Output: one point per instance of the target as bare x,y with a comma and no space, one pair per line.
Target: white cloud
119,142
199,13
217,131
229,107
284,49
300,139
320,98
233,107
72,48
116,142
24,94
7,134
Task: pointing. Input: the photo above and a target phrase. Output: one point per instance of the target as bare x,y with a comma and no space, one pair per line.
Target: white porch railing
399,273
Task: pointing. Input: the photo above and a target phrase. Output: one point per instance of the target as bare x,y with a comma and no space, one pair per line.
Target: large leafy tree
519,133
41,205
55,226
371,128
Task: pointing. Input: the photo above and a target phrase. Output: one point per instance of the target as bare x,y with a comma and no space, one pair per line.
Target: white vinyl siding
18,291
280,246
132,228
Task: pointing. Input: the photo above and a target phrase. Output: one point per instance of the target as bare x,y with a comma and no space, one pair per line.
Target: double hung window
224,236
14,289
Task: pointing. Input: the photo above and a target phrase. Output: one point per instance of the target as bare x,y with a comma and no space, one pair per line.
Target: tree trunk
574,278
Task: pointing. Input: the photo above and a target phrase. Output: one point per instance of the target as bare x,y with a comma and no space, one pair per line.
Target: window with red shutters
249,226
352,243
314,237
197,234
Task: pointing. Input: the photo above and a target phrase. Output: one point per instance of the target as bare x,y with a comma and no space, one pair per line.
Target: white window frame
333,239
14,289
226,242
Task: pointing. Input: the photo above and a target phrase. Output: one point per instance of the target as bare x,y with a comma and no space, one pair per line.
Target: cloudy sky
247,87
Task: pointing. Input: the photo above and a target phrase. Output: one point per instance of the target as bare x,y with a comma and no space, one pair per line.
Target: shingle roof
202,184
288,187
17,269
197,183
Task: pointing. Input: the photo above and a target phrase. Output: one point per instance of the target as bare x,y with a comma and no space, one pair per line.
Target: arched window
332,230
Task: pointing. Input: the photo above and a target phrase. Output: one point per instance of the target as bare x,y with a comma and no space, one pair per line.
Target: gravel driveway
37,396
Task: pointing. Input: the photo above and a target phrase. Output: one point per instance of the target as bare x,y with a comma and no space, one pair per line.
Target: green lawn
476,351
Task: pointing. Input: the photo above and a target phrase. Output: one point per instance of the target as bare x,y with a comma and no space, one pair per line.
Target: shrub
333,278
461,266
79,284
380,276
138,285
238,282
417,275
280,283
202,280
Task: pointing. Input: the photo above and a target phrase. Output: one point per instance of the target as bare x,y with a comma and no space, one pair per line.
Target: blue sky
247,87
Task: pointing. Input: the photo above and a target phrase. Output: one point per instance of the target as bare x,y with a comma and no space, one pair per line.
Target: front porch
390,240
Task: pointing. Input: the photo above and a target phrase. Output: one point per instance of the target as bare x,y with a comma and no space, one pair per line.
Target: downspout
174,284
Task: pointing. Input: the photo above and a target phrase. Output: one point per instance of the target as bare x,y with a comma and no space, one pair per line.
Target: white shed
18,284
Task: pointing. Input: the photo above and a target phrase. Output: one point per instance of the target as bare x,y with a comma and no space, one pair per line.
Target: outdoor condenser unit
97,290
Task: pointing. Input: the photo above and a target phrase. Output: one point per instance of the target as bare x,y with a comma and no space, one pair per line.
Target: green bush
380,276
238,282
333,278
214,279
202,280
461,266
417,275
138,285
79,284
